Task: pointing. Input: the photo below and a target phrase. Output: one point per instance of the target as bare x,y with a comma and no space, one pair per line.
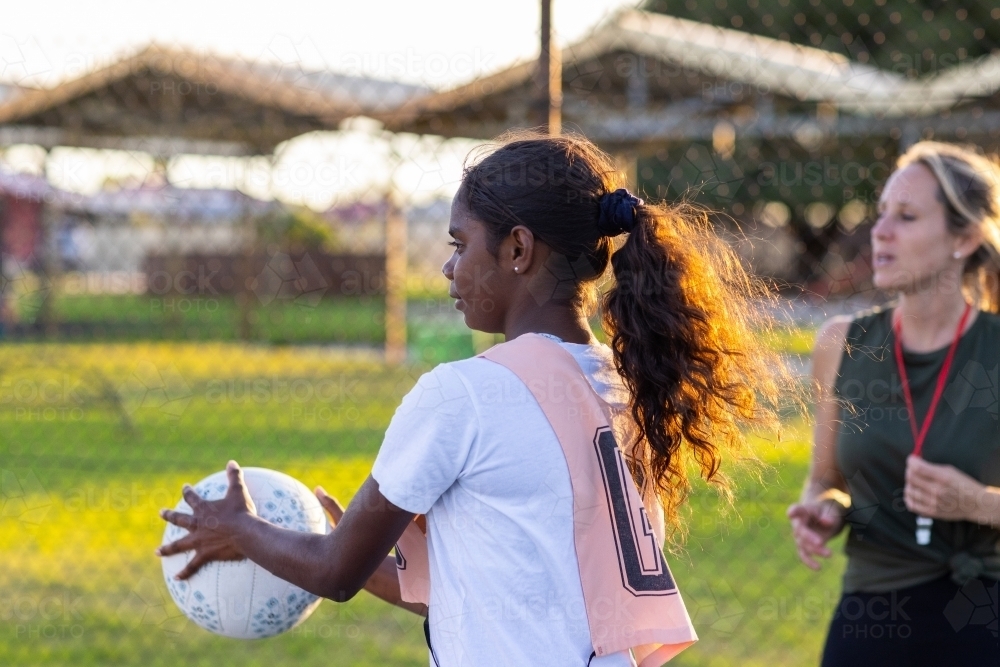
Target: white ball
240,599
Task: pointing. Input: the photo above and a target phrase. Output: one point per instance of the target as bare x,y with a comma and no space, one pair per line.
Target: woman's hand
212,524
813,525
942,491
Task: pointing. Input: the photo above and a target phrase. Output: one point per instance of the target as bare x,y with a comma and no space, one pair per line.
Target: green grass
348,321
89,454
131,317
96,459
109,317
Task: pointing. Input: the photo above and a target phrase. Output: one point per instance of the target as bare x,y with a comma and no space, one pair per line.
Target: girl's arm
819,514
384,584
334,566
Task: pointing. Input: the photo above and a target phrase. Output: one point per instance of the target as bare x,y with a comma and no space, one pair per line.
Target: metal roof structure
646,77
9,91
979,78
166,101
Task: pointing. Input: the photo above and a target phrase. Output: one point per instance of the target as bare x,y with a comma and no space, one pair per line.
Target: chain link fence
267,288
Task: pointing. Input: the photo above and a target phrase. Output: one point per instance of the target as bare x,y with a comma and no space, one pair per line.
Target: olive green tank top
874,440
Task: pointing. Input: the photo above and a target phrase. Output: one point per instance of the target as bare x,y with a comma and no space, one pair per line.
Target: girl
511,566
906,438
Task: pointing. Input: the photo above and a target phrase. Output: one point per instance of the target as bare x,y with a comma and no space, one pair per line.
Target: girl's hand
813,525
212,525
336,511
330,504
941,491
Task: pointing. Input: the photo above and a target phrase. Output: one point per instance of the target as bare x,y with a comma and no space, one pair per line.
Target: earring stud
957,255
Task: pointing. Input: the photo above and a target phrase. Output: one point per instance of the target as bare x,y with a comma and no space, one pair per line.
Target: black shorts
935,624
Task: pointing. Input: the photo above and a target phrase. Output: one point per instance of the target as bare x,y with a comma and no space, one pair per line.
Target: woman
477,447
906,441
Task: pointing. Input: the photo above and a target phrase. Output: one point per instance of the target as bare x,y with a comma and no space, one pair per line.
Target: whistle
924,530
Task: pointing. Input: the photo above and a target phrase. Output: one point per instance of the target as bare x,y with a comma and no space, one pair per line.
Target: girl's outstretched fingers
238,487
191,497
186,543
179,519
235,475
193,566
330,504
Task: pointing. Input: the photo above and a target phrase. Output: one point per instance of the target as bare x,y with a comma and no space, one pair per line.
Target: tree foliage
298,229
911,37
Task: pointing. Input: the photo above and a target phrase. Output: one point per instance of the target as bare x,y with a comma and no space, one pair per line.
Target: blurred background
221,235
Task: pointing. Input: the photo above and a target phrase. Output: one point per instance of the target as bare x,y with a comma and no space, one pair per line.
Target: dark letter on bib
644,572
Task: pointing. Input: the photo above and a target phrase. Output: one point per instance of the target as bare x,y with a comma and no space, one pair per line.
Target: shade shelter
642,77
166,101
169,101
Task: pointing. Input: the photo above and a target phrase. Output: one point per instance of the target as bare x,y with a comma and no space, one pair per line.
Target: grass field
432,321
180,317
95,438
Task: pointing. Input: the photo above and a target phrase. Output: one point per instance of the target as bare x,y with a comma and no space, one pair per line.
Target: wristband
836,495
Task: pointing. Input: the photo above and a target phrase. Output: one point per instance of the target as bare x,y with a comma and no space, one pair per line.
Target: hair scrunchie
618,212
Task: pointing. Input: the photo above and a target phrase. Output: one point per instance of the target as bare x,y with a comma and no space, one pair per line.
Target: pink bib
631,598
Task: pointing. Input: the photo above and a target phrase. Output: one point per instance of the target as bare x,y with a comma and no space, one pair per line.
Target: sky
438,43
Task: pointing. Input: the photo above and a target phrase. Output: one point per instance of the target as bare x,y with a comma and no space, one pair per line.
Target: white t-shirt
470,447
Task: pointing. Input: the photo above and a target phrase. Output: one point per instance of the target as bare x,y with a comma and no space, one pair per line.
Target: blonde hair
969,188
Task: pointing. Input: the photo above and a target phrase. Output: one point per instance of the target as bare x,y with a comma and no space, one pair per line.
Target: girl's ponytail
689,340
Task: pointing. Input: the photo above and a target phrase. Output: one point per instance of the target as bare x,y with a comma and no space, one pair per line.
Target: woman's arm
828,350
384,583
818,516
334,566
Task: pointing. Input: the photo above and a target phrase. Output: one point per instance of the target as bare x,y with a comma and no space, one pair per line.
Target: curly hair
687,324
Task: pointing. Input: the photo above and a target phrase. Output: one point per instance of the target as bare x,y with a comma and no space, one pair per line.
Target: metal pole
245,265
549,76
395,281
4,314
46,319
3,279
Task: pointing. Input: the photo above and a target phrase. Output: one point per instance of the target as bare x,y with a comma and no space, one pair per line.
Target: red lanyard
918,438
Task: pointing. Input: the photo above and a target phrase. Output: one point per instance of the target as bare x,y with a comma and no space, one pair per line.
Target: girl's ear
518,250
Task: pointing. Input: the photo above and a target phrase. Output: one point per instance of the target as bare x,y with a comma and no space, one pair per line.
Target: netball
239,599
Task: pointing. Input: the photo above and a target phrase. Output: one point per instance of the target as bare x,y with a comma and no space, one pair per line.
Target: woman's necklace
924,523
